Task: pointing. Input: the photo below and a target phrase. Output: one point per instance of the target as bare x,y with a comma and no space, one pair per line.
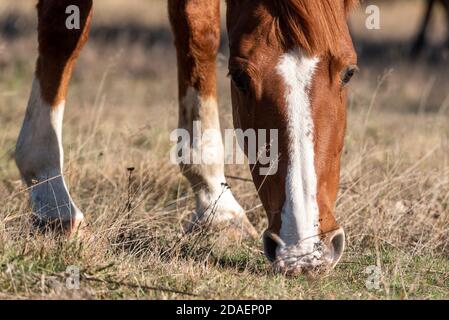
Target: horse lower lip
298,269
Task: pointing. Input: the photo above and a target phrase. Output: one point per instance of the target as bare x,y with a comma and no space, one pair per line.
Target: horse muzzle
310,256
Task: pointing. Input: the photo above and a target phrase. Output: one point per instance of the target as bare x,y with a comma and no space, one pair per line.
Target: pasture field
122,106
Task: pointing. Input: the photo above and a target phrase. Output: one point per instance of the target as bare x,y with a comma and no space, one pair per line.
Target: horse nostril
270,243
337,245
269,248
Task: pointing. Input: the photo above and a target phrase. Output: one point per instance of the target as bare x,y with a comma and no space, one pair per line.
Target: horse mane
315,25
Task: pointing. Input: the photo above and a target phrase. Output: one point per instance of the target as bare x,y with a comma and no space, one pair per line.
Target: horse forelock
314,25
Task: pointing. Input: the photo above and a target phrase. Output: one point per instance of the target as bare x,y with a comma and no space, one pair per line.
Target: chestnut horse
290,63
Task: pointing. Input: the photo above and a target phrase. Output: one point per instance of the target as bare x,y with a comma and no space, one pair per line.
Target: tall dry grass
393,203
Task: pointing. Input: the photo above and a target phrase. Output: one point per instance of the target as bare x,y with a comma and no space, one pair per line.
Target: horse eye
241,80
347,74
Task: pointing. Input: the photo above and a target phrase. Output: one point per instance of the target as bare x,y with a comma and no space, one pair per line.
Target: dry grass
393,204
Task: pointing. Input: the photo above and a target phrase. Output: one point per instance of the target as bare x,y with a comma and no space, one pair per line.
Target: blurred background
142,29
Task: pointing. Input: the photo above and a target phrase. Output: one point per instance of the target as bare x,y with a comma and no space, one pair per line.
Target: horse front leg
39,151
196,28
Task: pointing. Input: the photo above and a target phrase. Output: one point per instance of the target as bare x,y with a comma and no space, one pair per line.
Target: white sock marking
207,155
40,159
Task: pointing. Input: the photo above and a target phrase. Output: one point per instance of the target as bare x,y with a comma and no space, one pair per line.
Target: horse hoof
236,229
73,228
242,229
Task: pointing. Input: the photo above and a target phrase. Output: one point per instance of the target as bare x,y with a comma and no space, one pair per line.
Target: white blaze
300,214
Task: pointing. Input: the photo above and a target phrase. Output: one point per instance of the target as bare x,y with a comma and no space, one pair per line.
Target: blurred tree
420,41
